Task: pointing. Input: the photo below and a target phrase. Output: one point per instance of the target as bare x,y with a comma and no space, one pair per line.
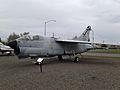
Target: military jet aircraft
5,49
43,47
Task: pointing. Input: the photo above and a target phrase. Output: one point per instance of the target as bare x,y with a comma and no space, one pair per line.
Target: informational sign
40,60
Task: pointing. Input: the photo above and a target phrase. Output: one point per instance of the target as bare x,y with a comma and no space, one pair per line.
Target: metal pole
46,25
93,36
45,29
40,66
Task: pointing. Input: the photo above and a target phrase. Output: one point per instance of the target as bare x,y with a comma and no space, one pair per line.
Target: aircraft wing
95,44
72,41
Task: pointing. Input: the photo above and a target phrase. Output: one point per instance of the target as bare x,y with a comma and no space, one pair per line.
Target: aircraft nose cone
13,44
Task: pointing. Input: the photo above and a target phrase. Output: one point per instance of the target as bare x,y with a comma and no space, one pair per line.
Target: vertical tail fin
85,35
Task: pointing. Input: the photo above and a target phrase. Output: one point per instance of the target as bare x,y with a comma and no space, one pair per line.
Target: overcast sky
72,17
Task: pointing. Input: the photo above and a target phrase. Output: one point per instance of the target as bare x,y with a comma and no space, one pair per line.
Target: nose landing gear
77,57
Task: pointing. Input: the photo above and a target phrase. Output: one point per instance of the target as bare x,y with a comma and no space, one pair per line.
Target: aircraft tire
77,59
10,53
60,57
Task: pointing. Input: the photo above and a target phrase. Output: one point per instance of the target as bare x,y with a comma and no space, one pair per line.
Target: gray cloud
72,17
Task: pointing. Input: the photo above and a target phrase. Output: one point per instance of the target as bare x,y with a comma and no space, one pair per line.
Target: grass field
102,57
111,51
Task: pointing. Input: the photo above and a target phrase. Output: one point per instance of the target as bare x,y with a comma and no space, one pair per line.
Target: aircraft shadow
82,61
85,61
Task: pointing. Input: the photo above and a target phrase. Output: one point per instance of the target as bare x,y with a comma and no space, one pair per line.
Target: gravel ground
88,74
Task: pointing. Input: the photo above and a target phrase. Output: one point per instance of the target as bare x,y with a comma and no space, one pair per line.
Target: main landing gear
60,57
76,57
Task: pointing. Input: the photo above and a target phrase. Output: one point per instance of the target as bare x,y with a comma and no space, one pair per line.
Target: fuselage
38,46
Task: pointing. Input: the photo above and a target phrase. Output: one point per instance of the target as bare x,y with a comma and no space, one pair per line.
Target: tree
3,42
75,37
12,36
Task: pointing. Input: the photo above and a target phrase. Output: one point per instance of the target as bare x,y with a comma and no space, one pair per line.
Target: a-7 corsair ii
43,47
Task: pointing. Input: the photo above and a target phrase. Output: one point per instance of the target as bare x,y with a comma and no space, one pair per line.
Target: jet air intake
13,45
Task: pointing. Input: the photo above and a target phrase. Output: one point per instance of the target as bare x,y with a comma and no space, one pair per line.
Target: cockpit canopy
28,37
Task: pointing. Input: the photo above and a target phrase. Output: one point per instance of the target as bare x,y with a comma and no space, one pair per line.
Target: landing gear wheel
10,53
60,57
77,59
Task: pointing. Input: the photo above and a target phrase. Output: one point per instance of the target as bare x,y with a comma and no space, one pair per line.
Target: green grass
111,51
102,57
